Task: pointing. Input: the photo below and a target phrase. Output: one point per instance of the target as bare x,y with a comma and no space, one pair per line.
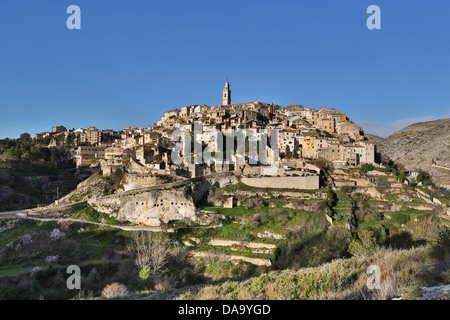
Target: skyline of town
199,140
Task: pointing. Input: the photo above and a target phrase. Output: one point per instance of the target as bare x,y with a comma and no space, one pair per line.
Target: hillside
374,139
421,146
341,279
265,235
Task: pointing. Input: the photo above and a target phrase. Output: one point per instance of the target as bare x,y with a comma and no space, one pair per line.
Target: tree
114,289
70,139
366,167
163,146
364,245
424,177
151,250
322,165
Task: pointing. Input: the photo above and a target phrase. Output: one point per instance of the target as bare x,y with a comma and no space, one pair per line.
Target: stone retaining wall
306,183
255,261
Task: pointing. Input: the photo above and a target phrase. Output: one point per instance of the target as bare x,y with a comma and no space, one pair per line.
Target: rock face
421,146
158,207
91,190
436,293
155,206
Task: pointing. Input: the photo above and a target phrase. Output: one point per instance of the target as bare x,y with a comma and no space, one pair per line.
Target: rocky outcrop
95,188
9,222
421,146
157,208
436,293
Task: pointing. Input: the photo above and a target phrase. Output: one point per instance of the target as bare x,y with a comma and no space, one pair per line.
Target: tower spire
226,94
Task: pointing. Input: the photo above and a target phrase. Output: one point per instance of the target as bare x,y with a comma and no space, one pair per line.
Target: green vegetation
400,218
90,214
80,197
114,181
31,184
89,246
424,177
366,167
312,244
364,246
163,146
23,149
401,270
34,173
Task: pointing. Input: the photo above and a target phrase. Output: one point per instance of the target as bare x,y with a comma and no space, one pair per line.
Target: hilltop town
305,134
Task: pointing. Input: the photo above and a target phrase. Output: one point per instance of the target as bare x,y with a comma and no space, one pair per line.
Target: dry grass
402,271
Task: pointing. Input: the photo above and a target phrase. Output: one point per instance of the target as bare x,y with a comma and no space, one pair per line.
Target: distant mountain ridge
420,146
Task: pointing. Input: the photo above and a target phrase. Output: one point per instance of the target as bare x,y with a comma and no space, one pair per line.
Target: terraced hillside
241,232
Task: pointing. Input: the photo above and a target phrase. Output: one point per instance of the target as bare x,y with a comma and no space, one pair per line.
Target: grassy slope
402,273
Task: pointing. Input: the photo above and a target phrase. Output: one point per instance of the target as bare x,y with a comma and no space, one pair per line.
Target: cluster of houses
304,133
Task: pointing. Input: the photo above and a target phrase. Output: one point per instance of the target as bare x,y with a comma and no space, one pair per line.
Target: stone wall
132,181
345,183
307,183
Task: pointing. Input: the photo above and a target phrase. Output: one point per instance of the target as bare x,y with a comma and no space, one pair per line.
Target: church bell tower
226,97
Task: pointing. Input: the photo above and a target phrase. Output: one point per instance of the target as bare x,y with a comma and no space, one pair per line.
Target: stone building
86,155
349,129
59,129
117,156
93,136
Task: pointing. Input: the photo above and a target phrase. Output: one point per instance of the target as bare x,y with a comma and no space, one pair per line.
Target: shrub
320,164
400,218
94,275
145,276
64,224
364,246
26,239
253,221
56,234
52,259
347,189
366,167
187,191
34,271
114,289
443,237
253,202
442,242
165,282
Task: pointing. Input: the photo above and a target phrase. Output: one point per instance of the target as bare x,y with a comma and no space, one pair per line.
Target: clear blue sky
134,59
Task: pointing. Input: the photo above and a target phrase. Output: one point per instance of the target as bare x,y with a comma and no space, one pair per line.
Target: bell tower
226,97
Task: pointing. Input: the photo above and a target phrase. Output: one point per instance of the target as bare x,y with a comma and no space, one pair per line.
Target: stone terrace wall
307,183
